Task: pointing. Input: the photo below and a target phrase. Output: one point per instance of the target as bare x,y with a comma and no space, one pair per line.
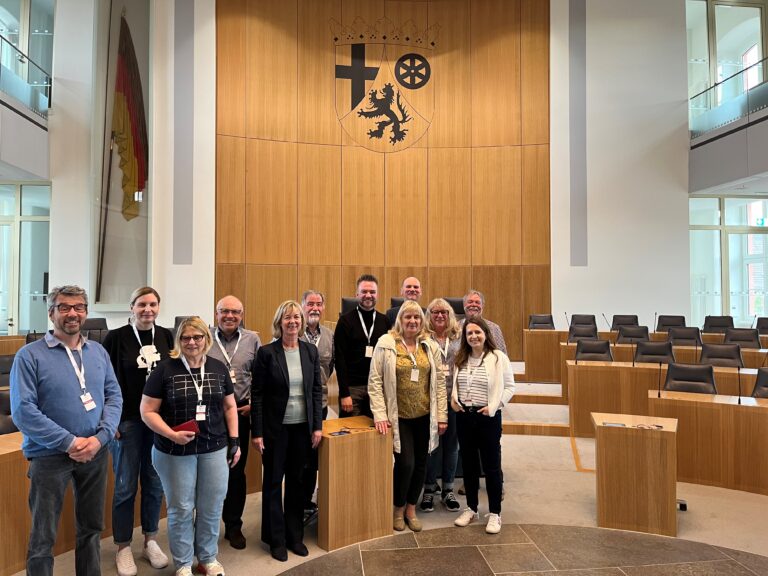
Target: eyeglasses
196,337
64,308
439,312
228,311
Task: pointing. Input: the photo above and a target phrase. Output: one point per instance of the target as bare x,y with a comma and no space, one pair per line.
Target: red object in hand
188,426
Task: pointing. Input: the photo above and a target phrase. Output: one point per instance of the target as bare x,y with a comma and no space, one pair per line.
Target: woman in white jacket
406,385
482,383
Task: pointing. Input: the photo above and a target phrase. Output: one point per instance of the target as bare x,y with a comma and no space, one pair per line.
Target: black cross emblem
358,72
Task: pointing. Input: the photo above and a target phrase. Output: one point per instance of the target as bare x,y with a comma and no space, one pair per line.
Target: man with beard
356,335
313,306
474,302
66,401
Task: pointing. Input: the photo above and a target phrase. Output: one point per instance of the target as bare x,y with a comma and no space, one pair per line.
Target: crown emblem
384,31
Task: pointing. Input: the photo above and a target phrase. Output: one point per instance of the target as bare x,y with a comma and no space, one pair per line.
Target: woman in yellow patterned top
406,386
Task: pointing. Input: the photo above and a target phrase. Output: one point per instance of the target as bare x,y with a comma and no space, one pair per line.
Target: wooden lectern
355,484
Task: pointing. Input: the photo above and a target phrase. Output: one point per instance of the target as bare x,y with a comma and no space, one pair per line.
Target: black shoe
299,549
450,502
235,537
310,513
427,502
279,553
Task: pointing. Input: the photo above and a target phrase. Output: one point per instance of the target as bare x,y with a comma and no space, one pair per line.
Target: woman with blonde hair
406,385
445,331
189,403
286,425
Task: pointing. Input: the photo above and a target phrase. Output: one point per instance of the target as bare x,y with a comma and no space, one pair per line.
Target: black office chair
33,337
717,324
655,352
347,305
623,320
458,306
94,324
396,301
698,378
726,355
666,322
6,422
688,336
583,320
761,384
541,322
580,332
762,325
95,335
744,337
599,350
6,362
632,334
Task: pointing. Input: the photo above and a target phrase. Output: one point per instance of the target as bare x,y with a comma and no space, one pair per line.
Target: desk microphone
659,395
696,351
754,320
738,371
634,350
567,322
655,328
606,322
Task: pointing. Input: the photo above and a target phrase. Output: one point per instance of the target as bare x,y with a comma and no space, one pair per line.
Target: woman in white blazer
482,383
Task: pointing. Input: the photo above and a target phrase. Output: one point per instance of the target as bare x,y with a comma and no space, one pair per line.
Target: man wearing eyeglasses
236,347
66,401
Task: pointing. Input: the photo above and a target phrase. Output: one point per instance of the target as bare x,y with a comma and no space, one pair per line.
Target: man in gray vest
236,347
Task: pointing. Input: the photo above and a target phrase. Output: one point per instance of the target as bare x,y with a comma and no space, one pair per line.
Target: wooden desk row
752,358
620,388
541,351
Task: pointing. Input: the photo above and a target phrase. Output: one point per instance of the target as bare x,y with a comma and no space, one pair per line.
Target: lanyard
223,351
81,370
138,339
194,380
413,358
471,370
443,349
368,333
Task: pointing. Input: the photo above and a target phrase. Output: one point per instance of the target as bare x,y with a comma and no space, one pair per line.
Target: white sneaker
124,561
210,568
184,571
466,517
155,555
494,524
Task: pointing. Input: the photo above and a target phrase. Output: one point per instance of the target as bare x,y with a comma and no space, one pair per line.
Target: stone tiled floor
533,549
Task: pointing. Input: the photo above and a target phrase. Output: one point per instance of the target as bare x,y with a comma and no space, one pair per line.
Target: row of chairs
712,324
688,336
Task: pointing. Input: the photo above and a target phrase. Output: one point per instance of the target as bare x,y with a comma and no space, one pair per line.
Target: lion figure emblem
381,107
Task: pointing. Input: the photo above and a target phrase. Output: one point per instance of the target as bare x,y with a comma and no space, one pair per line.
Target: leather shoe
413,523
236,538
299,549
279,553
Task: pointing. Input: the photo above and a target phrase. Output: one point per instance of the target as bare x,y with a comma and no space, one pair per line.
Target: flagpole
103,221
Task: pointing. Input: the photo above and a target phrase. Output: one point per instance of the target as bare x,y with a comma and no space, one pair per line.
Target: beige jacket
501,381
382,388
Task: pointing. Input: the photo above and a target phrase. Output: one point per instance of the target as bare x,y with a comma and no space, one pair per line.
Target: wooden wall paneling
272,71
450,221
230,279
349,276
534,71
406,207
266,287
326,279
362,207
535,205
501,286
495,71
271,202
537,292
231,66
496,205
319,204
393,282
317,121
451,123
230,199
448,282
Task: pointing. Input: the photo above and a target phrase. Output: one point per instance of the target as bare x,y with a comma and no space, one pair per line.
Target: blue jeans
49,477
447,452
195,487
131,460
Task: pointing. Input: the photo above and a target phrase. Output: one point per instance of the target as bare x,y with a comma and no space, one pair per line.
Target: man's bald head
229,314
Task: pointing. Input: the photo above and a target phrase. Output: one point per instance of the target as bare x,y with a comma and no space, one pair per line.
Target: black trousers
480,440
310,472
282,520
234,503
411,462
361,403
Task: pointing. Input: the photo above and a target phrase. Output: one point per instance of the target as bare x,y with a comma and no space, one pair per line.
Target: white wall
637,154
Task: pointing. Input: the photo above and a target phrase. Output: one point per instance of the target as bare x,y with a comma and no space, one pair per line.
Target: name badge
414,375
369,351
232,375
87,401
200,412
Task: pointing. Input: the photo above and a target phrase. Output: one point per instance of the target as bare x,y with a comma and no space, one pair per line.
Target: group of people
179,412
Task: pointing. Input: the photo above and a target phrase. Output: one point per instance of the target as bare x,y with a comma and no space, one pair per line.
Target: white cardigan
501,381
382,388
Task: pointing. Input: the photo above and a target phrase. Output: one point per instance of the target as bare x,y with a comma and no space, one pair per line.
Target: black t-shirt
171,383
131,363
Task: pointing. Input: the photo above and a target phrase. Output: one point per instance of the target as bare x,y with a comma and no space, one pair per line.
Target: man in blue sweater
66,401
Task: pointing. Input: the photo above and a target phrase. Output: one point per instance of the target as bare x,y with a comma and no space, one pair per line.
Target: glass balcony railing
738,97
24,80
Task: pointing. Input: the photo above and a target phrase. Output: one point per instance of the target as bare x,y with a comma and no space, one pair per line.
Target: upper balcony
24,85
